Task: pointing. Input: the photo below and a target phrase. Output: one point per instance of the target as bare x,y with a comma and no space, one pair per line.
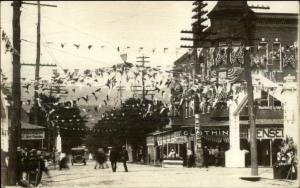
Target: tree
62,117
129,124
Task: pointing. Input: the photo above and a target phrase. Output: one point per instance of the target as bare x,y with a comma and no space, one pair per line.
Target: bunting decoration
8,45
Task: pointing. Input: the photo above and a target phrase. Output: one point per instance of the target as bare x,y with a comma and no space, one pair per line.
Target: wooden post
37,64
253,144
15,128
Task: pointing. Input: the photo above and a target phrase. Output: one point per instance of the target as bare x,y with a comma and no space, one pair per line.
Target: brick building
273,37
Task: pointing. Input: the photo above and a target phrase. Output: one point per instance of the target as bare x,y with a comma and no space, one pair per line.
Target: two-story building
274,63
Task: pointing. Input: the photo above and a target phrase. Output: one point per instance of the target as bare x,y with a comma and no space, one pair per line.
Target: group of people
213,156
30,166
114,156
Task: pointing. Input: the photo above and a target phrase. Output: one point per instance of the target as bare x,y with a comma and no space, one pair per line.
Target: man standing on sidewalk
124,158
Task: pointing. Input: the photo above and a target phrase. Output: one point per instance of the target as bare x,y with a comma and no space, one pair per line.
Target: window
263,54
276,56
267,101
264,102
186,108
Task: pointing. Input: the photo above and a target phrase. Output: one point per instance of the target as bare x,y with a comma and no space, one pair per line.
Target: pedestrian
189,157
100,158
19,164
105,164
63,163
124,158
33,168
216,155
205,156
42,166
113,157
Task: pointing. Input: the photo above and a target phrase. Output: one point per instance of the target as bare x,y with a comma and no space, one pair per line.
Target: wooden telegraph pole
143,61
15,128
38,57
198,36
250,28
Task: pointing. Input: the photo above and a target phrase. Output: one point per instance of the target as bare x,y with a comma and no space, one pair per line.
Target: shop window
274,102
263,54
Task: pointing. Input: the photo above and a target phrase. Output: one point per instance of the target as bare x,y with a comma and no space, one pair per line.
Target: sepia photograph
149,94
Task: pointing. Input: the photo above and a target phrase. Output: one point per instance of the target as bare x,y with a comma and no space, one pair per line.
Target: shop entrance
266,151
263,152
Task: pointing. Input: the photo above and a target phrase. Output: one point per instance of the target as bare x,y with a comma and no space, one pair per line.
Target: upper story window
267,101
276,56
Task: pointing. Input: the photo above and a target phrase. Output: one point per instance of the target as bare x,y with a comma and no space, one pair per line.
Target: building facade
221,89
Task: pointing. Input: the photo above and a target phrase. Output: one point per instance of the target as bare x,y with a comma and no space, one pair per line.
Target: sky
143,26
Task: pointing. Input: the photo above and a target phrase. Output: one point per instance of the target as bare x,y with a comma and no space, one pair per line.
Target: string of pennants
233,75
120,49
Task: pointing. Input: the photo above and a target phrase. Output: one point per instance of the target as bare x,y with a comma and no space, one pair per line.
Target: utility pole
143,61
38,58
37,63
250,27
15,128
199,36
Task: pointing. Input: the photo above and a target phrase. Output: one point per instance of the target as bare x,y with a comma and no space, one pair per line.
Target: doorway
264,152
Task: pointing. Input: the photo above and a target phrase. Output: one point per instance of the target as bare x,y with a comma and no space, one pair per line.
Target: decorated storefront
269,137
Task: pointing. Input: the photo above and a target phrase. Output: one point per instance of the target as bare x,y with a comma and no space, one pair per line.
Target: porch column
234,157
291,108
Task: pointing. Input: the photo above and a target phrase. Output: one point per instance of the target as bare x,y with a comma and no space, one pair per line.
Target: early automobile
79,155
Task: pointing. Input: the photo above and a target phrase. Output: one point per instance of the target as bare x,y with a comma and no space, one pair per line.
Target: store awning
158,133
30,126
217,139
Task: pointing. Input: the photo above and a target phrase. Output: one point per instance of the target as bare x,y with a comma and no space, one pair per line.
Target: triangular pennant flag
124,57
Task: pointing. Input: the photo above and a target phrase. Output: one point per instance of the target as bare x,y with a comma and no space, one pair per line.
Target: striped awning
216,138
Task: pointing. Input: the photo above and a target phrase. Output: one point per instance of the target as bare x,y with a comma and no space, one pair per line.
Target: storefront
32,136
269,137
160,144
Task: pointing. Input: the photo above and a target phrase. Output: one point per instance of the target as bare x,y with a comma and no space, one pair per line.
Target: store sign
33,135
215,132
269,133
173,138
209,132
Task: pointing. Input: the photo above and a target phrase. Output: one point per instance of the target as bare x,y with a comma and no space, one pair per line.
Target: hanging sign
269,133
32,135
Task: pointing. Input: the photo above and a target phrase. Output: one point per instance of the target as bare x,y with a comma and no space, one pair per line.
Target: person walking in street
205,156
124,158
100,158
113,157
